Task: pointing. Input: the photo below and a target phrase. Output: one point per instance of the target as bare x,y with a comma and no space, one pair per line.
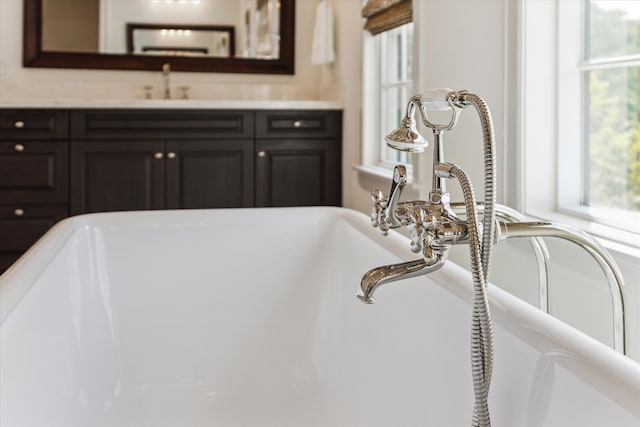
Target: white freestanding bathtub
250,318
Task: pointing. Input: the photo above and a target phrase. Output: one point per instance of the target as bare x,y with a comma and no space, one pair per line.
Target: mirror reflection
209,28
170,39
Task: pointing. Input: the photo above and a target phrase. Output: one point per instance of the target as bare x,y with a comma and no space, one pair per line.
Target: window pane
395,84
409,54
398,39
613,140
393,105
613,28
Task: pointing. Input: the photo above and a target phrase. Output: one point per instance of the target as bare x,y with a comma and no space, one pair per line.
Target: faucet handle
147,92
185,91
383,213
397,185
417,218
377,211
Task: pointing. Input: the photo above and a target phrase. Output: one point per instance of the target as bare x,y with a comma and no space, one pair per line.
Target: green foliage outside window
613,114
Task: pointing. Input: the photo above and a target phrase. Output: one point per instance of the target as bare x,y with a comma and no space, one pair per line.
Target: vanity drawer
34,171
33,124
154,124
295,124
21,226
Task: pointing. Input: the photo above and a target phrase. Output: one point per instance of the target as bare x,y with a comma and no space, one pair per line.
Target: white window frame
550,107
571,127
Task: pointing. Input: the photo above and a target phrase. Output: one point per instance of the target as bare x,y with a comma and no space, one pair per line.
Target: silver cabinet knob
261,153
18,212
171,155
18,147
158,155
19,124
297,123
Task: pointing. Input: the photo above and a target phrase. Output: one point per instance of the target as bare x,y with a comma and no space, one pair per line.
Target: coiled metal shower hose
481,331
480,251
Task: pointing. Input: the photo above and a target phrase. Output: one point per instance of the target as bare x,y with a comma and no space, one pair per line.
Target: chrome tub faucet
436,224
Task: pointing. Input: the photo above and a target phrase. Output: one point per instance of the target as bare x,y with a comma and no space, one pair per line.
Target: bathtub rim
549,333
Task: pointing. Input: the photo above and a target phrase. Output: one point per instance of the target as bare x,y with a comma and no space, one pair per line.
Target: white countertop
174,104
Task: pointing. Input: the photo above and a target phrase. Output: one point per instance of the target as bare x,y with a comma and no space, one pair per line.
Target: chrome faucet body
435,225
166,74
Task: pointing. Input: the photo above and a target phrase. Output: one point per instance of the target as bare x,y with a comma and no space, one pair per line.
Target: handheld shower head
407,137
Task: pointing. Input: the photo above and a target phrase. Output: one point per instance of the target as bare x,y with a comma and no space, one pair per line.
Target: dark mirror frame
34,56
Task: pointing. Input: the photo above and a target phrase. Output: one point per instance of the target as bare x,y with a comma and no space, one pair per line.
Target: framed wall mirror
228,36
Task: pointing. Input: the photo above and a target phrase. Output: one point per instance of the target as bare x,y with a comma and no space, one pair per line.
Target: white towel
322,46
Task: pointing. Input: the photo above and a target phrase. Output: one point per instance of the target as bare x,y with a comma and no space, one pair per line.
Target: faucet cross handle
377,211
417,228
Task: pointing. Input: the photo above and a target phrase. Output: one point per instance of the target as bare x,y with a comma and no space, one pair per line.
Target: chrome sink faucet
166,74
434,226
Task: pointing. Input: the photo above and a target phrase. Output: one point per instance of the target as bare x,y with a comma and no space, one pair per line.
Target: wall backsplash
108,90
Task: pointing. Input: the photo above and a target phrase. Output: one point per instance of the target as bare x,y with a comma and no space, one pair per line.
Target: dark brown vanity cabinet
55,163
298,158
160,159
34,175
132,160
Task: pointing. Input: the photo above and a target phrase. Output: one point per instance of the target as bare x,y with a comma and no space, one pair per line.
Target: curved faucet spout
378,276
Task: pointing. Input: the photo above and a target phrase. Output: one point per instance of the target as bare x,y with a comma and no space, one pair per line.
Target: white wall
467,44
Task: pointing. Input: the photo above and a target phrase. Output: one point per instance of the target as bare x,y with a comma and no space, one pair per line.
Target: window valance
384,15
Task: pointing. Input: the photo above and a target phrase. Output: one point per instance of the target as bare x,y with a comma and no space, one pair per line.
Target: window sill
619,242
375,171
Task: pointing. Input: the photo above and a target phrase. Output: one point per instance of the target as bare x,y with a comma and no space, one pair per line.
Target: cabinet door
21,226
33,172
116,176
297,172
209,174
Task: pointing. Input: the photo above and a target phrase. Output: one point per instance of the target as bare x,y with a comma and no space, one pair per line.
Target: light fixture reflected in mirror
196,2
